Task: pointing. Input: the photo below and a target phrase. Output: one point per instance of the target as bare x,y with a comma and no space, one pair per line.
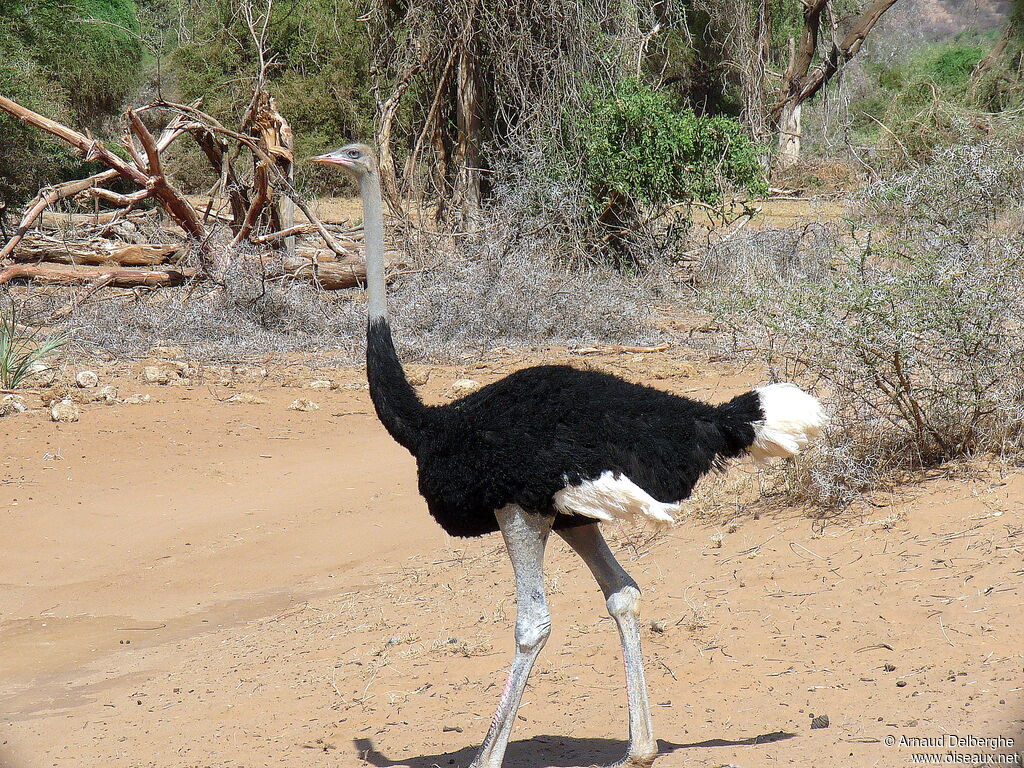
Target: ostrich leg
525,537
623,600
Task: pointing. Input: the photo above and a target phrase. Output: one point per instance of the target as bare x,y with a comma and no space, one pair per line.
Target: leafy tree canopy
74,60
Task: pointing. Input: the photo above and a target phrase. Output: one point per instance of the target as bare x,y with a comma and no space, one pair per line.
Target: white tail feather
614,497
791,418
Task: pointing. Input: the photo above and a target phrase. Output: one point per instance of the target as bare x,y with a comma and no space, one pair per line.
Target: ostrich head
356,159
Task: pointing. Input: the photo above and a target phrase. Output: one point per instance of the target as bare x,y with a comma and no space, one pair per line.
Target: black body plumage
522,439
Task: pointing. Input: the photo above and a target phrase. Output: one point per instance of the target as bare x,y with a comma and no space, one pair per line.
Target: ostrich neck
373,241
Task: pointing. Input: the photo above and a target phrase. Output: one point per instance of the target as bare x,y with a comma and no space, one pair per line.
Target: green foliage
637,145
318,73
20,347
913,107
953,65
947,65
72,60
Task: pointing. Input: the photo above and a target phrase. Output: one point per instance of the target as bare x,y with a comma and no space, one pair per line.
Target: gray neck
373,240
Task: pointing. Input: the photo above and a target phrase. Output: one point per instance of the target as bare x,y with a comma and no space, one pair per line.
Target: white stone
302,404
87,379
251,372
246,397
12,404
320,384
164,373
107,394
418,376
137,399
465,386
64,411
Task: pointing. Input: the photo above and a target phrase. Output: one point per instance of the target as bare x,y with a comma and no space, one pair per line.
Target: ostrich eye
353,153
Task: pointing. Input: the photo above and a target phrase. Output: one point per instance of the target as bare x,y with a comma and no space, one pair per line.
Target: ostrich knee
624,603
533,626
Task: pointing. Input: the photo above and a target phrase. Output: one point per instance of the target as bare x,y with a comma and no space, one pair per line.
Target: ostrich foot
638,759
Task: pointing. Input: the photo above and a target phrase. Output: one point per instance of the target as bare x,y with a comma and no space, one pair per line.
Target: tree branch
176,205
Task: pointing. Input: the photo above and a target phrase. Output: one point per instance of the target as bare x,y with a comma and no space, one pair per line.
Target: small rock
137,399
64,411
465,386
320,384
452,729
87,379
164,352
889,667
418,376
659,627
821,721
164,373
716,540
250,372
302,404
12,404
901,683
246,397
107,394
38,368
732,526
54,395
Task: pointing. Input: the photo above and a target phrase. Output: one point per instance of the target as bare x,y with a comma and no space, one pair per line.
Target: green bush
953,65
65,67
318,75
914,100
639,146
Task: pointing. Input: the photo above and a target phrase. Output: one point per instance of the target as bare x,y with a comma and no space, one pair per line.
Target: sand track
196,583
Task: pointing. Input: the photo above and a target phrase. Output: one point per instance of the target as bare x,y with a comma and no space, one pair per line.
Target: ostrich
553,448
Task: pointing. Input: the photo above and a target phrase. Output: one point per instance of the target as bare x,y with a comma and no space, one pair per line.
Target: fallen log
48,196
119,277
36,248
57,220
329,275
332,275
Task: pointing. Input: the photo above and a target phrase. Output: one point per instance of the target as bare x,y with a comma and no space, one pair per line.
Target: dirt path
197,583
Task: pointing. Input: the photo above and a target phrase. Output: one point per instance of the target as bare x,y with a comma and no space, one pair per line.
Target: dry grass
455,306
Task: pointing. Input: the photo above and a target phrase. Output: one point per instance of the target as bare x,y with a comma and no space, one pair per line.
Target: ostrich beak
331,158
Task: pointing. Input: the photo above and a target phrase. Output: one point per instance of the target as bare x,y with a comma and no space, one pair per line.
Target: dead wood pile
249,210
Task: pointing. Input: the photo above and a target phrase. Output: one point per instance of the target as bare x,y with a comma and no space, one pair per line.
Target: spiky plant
20,347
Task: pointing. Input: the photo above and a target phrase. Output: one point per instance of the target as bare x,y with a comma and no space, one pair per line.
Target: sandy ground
191,582
772,212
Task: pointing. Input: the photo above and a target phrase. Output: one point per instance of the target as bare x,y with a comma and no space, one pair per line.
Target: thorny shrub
476,296
908,323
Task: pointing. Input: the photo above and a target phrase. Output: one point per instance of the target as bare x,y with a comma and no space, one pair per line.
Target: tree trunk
267,125
754,80
789,135
801,82
469,124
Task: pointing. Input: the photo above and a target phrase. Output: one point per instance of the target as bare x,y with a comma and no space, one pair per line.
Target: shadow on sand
550,752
